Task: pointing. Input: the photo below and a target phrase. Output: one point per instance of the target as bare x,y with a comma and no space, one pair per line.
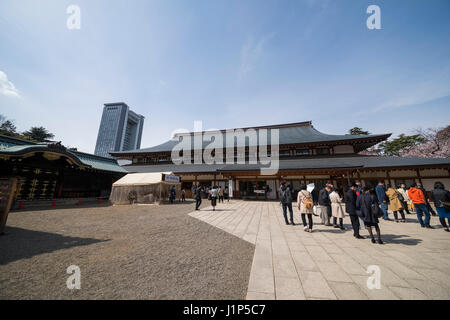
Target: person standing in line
394,203
286,202
427,202
440,196
336,209
220,193
198,197
418,199
406,201
214,195
183,195
382,199
325,205
305,205
350,208
364,204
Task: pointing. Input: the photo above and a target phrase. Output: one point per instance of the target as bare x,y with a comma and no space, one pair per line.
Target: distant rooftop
15,146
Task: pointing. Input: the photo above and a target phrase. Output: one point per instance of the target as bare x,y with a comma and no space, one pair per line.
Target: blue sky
227,63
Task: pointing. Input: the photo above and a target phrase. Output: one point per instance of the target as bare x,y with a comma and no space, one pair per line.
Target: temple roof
300,133
10,146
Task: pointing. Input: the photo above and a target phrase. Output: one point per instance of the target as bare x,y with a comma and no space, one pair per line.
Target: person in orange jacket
418,198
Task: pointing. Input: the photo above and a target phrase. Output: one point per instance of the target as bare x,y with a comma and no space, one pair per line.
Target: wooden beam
418,175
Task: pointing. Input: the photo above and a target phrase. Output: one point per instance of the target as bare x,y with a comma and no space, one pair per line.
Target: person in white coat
305,205
406,202
336,210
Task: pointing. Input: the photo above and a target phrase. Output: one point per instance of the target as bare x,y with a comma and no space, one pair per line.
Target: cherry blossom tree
425,143
436,145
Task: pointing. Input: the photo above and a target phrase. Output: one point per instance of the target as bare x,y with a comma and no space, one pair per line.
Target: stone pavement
328,263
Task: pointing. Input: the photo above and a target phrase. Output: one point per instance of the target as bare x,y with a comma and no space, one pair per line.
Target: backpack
308,202
284,196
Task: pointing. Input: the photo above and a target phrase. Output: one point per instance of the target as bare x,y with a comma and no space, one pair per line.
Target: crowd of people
361,203
367,204
214,194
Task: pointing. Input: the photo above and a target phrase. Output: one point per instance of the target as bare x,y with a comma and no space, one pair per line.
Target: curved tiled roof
296,133
86,159
97,162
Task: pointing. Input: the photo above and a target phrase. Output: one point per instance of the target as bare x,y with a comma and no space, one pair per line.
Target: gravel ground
124,252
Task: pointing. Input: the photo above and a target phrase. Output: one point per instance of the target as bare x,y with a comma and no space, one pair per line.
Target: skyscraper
120,129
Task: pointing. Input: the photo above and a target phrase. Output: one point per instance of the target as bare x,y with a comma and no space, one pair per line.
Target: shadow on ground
18,243
400,239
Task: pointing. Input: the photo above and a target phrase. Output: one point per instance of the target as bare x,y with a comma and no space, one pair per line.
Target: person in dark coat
350,208
325,203
286,202
364,204
441,199
198,197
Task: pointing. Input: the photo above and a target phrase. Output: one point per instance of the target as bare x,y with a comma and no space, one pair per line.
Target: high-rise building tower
120,129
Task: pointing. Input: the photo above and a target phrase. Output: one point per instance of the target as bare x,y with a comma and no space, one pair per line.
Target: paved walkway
290,263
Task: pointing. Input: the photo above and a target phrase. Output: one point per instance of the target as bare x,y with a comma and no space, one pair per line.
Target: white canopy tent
151,187
141,179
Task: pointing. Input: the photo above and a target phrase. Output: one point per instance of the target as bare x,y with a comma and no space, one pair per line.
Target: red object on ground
54,203
99,200
21,204
79,202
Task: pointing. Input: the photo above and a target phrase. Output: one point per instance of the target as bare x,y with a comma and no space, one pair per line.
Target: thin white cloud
7,88
414,97
251,53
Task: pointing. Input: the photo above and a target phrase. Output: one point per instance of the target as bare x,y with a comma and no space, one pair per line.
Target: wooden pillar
359,178
348,178
389,178
418,175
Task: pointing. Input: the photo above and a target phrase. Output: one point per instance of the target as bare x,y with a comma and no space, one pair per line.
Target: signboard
259,191
170,178
7,189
